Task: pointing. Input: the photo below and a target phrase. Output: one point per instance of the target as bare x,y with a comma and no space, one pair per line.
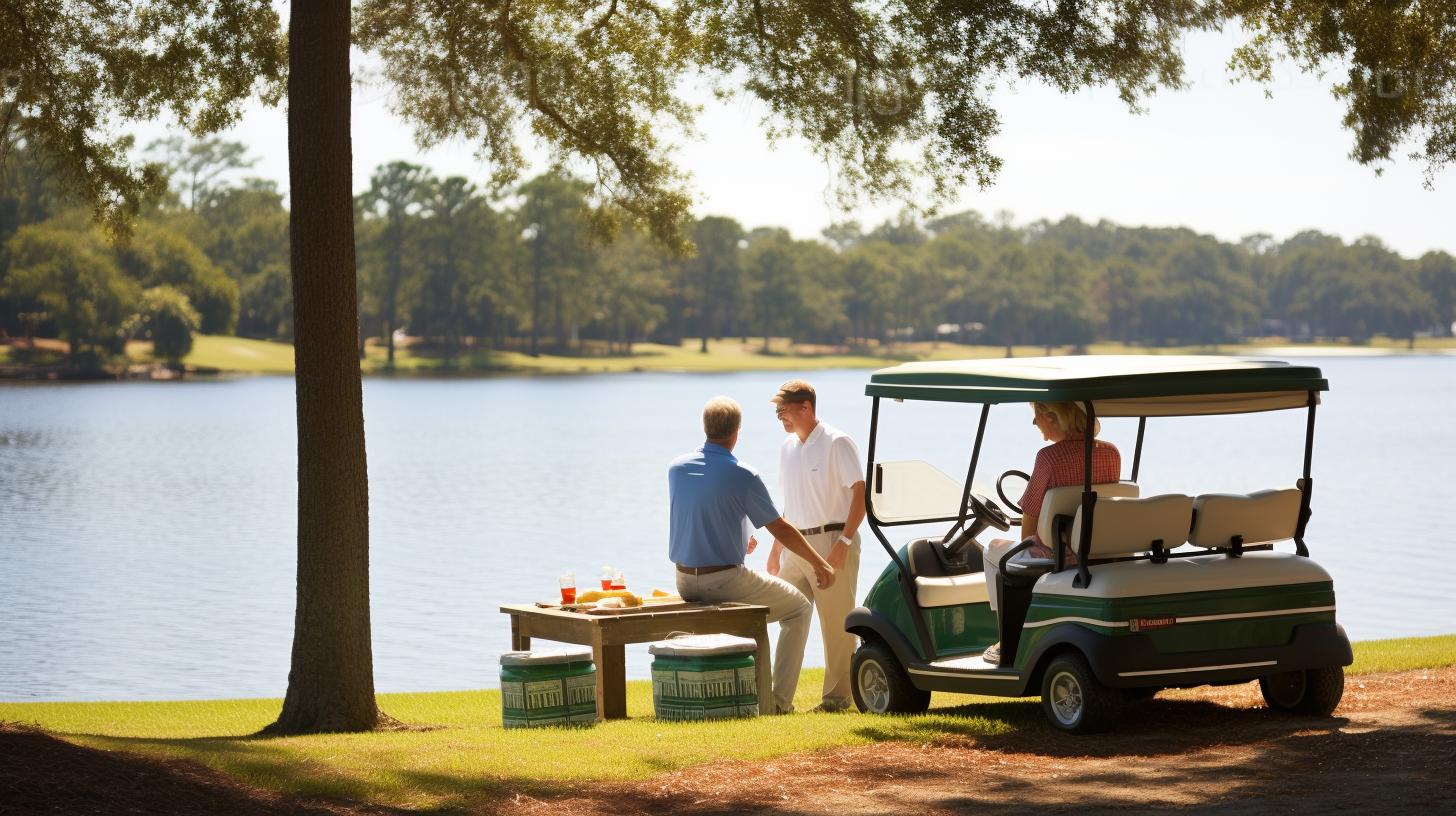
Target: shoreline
219,358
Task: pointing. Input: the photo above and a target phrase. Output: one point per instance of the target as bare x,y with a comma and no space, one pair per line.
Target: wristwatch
847,540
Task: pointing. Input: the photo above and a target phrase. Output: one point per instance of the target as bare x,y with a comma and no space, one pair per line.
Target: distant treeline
441,260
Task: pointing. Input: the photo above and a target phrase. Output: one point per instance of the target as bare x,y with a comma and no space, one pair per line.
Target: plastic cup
568,588
619,581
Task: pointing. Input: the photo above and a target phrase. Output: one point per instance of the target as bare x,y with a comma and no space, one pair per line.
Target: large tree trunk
331,680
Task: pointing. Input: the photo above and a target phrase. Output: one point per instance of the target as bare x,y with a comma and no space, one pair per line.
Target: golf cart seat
1060,504
1229,521
1123,526
942,581
951,590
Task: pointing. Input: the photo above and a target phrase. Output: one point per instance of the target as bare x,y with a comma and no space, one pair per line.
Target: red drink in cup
619,581
568,588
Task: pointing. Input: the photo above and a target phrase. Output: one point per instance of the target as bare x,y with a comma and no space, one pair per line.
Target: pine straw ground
1390,748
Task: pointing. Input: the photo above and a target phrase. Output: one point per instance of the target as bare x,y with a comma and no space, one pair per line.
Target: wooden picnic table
608,636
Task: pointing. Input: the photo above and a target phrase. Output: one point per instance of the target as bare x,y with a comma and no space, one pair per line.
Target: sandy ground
1390,748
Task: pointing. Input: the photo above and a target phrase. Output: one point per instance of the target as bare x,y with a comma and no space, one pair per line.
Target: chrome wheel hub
1066,699
874,686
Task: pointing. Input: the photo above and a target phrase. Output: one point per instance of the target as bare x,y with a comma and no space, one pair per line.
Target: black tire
1074,700
1311,692
880,684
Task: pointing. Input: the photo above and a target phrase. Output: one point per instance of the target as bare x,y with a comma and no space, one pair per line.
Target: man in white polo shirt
823,484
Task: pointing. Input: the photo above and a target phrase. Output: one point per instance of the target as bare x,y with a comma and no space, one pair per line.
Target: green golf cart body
1165,590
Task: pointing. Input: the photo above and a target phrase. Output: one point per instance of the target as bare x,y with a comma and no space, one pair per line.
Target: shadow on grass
1174,744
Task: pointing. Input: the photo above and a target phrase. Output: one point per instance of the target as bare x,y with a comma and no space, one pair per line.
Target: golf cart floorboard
970,669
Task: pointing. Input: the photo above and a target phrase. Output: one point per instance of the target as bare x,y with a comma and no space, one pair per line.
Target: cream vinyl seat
1256,518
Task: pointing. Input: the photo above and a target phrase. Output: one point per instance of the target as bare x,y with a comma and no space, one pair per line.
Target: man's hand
823,574
774,556
752,544
837,554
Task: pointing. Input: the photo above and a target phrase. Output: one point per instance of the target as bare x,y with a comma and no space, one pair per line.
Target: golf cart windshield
915,491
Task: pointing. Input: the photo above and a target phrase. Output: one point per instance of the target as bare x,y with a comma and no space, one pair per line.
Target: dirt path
1391,748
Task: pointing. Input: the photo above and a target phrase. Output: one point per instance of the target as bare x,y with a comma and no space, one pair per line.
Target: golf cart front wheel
880,684
1074,700
1315,692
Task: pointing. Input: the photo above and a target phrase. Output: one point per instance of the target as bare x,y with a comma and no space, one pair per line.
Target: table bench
608,636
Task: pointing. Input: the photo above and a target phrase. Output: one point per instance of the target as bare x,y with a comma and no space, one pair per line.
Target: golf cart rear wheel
1314,692
881,685
1074,700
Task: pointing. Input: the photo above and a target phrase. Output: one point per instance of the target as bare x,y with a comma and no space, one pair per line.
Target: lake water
147,530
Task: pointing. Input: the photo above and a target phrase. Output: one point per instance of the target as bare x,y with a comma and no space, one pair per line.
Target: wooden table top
633,613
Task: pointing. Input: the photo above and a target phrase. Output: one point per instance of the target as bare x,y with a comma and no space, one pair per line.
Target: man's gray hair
721,417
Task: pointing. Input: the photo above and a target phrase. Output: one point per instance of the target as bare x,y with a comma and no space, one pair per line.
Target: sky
1219,158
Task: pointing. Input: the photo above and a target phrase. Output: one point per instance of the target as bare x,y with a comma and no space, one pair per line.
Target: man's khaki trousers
786,606
833,605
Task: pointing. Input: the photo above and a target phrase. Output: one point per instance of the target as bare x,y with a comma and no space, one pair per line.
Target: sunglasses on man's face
784,409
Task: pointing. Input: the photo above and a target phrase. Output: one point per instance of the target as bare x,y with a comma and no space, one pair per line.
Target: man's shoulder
693,457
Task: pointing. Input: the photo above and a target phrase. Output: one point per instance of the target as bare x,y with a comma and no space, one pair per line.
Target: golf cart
1165,591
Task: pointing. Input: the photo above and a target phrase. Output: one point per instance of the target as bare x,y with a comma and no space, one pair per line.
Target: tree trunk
331,678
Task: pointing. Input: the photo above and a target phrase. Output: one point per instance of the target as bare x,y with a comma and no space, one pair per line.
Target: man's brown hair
796,391
721,417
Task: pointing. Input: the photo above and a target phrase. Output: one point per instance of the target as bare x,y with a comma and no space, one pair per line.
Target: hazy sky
1218,158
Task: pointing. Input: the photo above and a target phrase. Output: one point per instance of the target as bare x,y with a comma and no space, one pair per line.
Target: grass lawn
469,758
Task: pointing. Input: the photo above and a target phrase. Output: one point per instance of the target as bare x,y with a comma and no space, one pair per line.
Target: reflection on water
147,530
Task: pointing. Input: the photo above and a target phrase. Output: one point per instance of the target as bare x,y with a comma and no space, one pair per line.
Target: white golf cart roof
1117,385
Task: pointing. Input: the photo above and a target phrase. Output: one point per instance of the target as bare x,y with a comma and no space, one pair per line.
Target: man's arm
840,550
793,540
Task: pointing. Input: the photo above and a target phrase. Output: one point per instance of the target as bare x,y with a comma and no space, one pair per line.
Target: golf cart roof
1116,385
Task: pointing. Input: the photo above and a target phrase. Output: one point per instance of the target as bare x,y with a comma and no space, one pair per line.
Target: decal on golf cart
1142,624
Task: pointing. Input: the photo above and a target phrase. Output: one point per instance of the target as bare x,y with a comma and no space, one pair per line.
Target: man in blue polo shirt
711,494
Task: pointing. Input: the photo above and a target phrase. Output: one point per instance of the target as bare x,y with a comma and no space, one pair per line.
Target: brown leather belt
828,528
705,570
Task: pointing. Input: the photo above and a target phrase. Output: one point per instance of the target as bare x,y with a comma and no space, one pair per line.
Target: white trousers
834,605
786,606
991,557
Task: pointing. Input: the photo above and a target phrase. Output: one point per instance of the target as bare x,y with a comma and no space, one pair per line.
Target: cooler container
548,687
704,677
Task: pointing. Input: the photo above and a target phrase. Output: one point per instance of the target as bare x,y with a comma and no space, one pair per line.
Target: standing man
823,484
711,493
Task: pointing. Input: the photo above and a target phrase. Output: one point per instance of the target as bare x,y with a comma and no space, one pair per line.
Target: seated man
711,493
1059,464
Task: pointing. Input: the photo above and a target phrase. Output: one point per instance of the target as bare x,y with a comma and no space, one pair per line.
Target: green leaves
78,69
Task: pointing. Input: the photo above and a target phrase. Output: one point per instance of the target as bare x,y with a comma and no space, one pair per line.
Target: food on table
628,599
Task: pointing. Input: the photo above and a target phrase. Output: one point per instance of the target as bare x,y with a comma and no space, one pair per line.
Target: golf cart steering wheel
989,512
985,513
1002,492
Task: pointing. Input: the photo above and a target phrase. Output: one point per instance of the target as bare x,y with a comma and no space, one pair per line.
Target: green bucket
704,677
548,687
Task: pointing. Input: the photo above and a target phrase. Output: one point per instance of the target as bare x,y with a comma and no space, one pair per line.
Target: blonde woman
1060,464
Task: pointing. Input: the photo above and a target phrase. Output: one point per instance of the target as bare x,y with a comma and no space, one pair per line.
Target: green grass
1401,654
240,354
469,759
245,356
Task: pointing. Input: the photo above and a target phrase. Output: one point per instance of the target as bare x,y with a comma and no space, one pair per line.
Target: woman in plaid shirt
1059,464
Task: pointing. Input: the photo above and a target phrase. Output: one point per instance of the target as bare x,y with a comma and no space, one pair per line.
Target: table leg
519,642
764,669
611,679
